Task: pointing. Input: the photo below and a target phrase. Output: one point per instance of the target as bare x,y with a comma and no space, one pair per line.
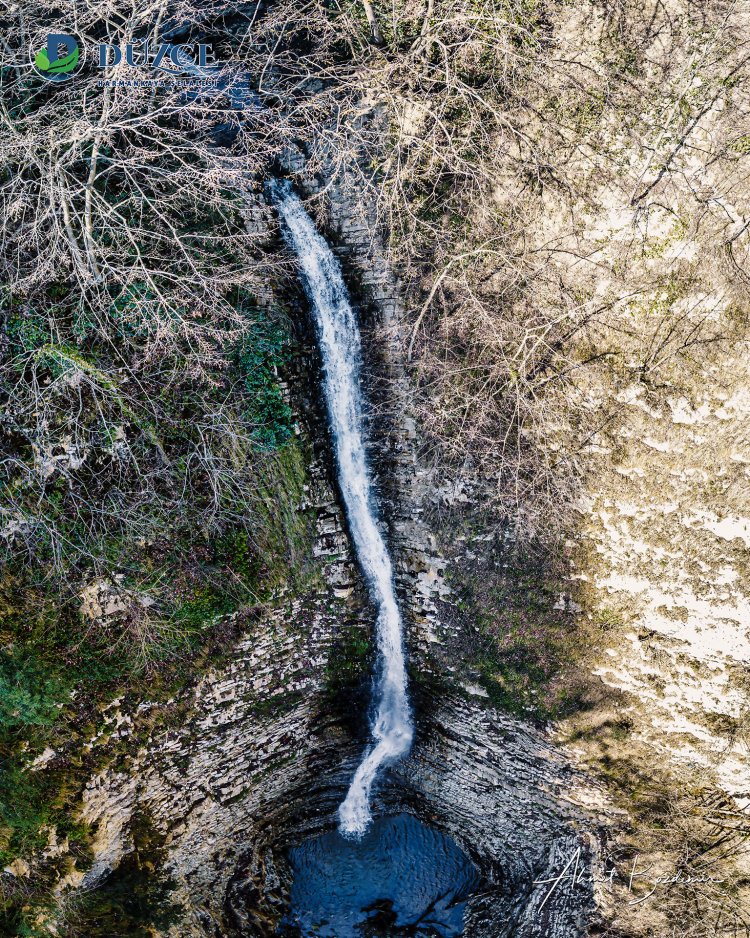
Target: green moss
349,661
278,703
262,353
524,644
199,612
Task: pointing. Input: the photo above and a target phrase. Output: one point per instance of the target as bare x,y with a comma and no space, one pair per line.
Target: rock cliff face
267,745
670,532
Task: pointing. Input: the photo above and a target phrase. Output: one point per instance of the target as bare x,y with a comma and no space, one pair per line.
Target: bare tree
498,136
126,259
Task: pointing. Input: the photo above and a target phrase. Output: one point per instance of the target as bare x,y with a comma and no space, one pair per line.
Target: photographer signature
576,873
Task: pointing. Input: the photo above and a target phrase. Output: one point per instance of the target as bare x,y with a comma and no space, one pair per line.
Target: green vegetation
261,354
135,898
138,528
349,661
524,638
523,153
150,474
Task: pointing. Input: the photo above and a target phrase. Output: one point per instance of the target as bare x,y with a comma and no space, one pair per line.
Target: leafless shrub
688,874
498,138
124,251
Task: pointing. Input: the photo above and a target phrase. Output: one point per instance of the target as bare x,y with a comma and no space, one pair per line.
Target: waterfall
338,335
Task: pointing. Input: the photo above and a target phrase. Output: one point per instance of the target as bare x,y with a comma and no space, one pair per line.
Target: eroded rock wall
268,743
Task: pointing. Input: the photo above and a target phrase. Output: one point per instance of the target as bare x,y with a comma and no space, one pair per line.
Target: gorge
374,463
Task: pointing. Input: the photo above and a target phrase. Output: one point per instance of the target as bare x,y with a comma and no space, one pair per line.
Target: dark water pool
402,878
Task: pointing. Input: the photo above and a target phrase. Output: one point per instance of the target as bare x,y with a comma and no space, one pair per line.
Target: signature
576,873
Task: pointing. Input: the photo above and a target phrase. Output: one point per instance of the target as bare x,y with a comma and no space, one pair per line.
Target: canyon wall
265,746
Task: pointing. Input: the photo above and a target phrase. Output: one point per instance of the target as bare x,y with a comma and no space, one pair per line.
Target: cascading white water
392,727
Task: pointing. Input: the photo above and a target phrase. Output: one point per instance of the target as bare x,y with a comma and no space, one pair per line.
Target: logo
59,58
132,63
